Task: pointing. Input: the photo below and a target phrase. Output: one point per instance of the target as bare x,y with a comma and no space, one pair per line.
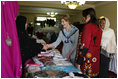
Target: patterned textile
90,50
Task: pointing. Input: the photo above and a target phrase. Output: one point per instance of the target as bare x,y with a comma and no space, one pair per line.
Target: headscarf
107,25
20,23
108,41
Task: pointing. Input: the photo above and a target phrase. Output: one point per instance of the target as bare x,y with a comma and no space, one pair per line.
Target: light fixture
52,14
40,18
73,4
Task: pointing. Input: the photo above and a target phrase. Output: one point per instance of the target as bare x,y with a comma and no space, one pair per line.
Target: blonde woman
69,36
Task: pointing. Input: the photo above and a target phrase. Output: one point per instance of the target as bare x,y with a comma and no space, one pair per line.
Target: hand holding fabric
50,45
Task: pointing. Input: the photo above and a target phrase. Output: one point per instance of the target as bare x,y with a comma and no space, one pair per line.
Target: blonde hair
66,18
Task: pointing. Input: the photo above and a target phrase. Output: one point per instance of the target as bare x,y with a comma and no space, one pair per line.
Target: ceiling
42,7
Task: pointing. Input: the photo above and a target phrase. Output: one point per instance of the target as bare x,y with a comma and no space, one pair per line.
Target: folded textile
66,69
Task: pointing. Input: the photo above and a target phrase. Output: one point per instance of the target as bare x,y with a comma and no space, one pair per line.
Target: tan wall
30,17
77,17
110,11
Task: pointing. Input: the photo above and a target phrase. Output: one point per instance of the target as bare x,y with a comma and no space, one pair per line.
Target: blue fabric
69,34
66,69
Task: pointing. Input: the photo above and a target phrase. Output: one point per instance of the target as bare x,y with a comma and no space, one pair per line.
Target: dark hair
20,23
91,12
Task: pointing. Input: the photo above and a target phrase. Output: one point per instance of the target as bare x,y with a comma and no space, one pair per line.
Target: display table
51,64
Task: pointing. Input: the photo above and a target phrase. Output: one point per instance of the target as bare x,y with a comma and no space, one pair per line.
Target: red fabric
89,32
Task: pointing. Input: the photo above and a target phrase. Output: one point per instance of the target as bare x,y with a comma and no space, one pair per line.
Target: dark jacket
29,48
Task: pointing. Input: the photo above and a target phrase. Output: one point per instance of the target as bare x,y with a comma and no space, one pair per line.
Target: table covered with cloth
51,64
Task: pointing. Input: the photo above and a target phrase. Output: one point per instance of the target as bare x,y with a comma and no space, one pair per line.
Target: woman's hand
69,54
78,67
45,47
50,45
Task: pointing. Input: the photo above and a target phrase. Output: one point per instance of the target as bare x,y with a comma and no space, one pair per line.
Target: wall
77,17
30,17
110,11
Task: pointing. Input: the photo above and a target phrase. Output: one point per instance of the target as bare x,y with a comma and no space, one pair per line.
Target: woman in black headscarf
29,48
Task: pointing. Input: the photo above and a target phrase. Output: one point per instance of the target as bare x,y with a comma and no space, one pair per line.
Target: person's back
91,35
96,34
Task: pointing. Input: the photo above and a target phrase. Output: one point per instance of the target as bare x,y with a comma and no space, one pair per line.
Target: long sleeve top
28,47
70,41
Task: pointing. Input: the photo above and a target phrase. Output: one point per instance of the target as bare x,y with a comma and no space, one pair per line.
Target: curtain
11,65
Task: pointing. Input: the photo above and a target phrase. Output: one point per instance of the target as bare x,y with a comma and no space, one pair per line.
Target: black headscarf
20,23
